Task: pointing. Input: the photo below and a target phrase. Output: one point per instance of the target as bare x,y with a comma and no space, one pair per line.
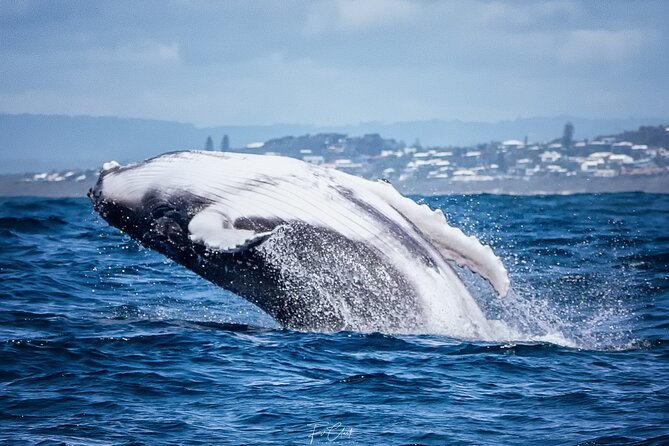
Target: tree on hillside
652,136
568,135
225,143
209,145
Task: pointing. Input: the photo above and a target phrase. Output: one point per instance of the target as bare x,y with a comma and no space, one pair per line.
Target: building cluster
374,157
76,175
603,157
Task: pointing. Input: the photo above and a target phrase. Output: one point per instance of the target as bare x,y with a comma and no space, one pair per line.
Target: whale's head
148,206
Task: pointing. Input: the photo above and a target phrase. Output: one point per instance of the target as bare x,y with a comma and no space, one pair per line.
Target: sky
335,62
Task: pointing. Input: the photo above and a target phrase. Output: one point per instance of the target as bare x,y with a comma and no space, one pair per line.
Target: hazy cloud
135,52
599,45
357,15
512,15
335,61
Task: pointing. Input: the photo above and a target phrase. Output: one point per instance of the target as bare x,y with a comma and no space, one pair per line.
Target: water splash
570,310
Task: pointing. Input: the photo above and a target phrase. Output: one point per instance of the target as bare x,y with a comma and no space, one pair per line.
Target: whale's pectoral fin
452,243
214,230
469,252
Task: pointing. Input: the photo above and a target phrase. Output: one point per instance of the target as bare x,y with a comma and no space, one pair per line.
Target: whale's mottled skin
316,248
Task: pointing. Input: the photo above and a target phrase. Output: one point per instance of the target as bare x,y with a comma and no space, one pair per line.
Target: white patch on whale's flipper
213,229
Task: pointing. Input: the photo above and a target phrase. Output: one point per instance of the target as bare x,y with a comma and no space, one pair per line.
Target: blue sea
103,342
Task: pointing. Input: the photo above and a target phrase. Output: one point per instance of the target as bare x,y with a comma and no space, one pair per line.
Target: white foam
109,165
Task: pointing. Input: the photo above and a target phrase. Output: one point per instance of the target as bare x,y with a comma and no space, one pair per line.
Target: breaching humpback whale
314,247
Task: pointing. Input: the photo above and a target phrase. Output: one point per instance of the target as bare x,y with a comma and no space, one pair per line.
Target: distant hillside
43,142
628,161
652,136
35,143
330,146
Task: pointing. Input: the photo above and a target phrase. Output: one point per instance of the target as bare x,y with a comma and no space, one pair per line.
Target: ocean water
103,342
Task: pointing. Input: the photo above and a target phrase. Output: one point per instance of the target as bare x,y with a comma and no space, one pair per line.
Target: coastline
654,184
17,186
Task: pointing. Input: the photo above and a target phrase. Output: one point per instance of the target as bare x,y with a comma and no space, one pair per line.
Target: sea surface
103,342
